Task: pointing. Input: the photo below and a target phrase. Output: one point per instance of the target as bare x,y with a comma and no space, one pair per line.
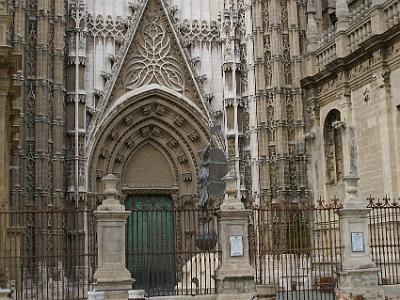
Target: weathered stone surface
235,275
111,275
361,282
5,294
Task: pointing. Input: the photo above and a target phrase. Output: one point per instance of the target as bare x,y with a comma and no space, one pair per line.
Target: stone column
111,276
359,275
235,276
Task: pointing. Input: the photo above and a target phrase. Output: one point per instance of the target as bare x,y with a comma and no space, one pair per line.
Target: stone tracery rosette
153,60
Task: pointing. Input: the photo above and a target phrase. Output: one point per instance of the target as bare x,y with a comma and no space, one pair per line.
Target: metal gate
297,248
384,229
170,250
48,254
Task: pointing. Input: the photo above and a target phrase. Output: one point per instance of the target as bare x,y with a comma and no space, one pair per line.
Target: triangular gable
152,54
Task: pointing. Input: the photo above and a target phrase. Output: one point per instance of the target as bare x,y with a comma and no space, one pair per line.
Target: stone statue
204,174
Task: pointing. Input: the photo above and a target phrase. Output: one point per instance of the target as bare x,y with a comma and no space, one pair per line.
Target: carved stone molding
200,31
176,131
152,53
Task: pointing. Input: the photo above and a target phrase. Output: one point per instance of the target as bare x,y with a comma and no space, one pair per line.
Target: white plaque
357,242
236,245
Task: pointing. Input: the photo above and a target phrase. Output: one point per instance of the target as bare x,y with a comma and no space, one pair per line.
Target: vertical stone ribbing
39,179
278,29
76,100
16,162
30,104
58,107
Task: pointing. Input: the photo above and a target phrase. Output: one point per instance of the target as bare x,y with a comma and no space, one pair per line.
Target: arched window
333,147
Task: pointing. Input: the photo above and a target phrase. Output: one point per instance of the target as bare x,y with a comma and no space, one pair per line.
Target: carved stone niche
333,147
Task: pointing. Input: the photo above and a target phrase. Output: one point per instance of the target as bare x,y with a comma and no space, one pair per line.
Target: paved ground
305,295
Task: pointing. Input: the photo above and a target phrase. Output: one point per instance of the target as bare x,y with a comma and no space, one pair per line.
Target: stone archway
155,132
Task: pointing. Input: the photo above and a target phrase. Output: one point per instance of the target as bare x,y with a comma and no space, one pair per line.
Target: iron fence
297,248
384,228
49,254
172,251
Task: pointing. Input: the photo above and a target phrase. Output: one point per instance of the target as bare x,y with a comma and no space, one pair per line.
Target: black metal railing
297,248
48,254
172,251
384,228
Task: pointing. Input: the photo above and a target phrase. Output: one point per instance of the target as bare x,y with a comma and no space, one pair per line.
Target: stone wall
363,86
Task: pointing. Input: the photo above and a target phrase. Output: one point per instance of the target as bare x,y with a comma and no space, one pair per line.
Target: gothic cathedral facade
298,94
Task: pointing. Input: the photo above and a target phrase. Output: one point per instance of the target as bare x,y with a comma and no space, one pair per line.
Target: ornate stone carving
203,32
129,120
147,109
145,131
179,121
130,143
114,134
187,177
193,135
333,147
107,26
172,143
104,153
153,59
152,53
119,158
161,110
182,158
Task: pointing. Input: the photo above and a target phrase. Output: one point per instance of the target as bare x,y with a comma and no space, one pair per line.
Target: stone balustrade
326,55
362,26
359,34
361,9
327,36
391,14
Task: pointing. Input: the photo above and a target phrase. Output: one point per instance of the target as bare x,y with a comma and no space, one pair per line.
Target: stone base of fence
392,292
360,284
5,294
136,295
188,297
236,297
266,292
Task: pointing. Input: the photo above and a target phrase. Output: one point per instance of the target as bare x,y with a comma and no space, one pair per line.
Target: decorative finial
312,29
342,15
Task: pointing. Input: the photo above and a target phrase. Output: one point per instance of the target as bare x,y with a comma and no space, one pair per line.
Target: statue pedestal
235,276
358,275
111,276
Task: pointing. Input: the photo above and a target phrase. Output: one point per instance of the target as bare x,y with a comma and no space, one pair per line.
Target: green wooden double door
150,243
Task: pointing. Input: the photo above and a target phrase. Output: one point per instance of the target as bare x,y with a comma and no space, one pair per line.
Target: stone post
111,276
358,275
235,276
342,24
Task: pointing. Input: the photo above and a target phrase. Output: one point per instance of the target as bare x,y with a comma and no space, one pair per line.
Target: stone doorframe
151,119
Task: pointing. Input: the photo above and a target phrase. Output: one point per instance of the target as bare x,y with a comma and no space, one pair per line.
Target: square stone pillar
358,275
235,276
111,276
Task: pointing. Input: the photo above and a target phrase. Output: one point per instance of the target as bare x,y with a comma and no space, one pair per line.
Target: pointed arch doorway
152,139
150,242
